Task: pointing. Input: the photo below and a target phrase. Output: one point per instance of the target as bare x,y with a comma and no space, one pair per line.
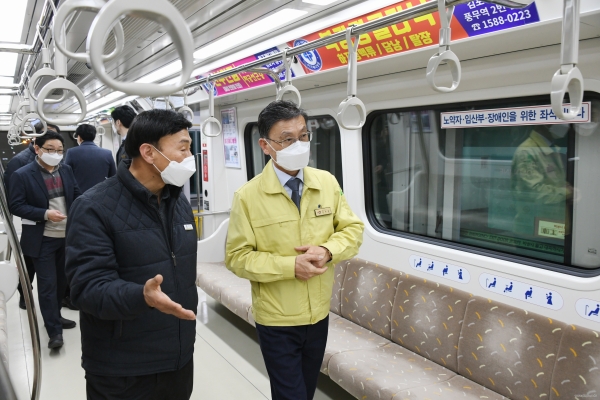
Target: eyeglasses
52,151
305,137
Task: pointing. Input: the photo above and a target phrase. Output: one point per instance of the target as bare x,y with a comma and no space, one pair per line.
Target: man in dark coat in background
90,163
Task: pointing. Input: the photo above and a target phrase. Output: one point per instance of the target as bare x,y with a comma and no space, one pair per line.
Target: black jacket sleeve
18,200
92,269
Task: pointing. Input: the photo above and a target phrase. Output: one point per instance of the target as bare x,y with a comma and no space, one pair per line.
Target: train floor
227,359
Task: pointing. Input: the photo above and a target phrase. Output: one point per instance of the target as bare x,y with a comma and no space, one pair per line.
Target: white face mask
51,159
177,174
294,157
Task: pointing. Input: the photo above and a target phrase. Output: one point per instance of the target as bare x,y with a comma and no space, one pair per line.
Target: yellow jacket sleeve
348,230
242,258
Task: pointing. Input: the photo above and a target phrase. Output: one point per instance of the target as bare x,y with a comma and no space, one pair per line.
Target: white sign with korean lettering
533,115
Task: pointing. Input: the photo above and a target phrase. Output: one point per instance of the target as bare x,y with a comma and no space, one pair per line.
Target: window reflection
504,188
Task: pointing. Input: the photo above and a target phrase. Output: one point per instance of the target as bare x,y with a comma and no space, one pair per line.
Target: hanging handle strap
211,86
287,87
160,11
444,53
26,119
351,100
185,110
568,78
66,9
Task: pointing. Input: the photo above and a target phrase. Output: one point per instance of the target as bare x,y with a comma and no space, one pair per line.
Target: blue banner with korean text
478,17
533,115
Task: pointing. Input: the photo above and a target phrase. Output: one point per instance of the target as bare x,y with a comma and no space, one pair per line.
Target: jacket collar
136,188
88,143
270,182
544,144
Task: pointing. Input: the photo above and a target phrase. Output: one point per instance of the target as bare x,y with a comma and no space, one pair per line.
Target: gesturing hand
305,268
156,298
319,251
56,216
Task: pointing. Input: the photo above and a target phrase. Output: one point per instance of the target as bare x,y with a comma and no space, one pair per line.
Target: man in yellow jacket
288,226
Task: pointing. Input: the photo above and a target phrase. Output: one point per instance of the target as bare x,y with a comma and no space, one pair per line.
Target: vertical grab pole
568,78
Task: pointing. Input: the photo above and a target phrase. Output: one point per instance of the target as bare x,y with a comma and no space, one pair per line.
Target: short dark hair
280,110
49,135
86,132
39,127
151,126
125,114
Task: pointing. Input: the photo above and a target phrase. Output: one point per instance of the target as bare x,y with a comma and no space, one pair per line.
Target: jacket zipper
167,237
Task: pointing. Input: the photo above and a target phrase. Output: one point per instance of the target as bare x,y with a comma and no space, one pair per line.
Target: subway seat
3,331
396,336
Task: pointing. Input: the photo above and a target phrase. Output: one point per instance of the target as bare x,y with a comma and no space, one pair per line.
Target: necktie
294,184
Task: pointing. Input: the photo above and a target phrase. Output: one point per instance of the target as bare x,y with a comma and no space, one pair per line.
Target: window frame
480,104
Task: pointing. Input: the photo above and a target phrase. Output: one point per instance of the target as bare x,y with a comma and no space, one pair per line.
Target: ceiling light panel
249,32
161,73
5,103
12,19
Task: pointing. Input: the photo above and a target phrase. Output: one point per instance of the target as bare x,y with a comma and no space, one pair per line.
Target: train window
325,148
520,191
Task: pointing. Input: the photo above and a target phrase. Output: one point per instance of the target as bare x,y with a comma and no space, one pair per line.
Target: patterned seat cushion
457,387
339,273
577,370
212,277
383,372
427,319
208,267
368,295
507,349
238,298
345,335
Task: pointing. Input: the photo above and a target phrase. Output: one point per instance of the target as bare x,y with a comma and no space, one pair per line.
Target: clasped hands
312,262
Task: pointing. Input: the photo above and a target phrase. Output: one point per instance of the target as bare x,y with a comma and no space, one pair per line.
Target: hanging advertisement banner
246,80
471,19
231,138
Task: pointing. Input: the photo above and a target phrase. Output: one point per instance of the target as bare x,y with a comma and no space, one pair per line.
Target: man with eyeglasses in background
288,226
41,194
23,158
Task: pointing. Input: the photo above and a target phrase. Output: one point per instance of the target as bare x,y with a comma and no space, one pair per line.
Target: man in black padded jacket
131,262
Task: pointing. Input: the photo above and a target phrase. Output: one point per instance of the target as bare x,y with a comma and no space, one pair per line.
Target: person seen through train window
287,228
540,187
90,163
122,118
23,158
131,261
41,194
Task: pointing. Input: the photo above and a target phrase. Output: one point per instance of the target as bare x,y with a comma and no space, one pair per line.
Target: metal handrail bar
356,30
27,293
203,214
